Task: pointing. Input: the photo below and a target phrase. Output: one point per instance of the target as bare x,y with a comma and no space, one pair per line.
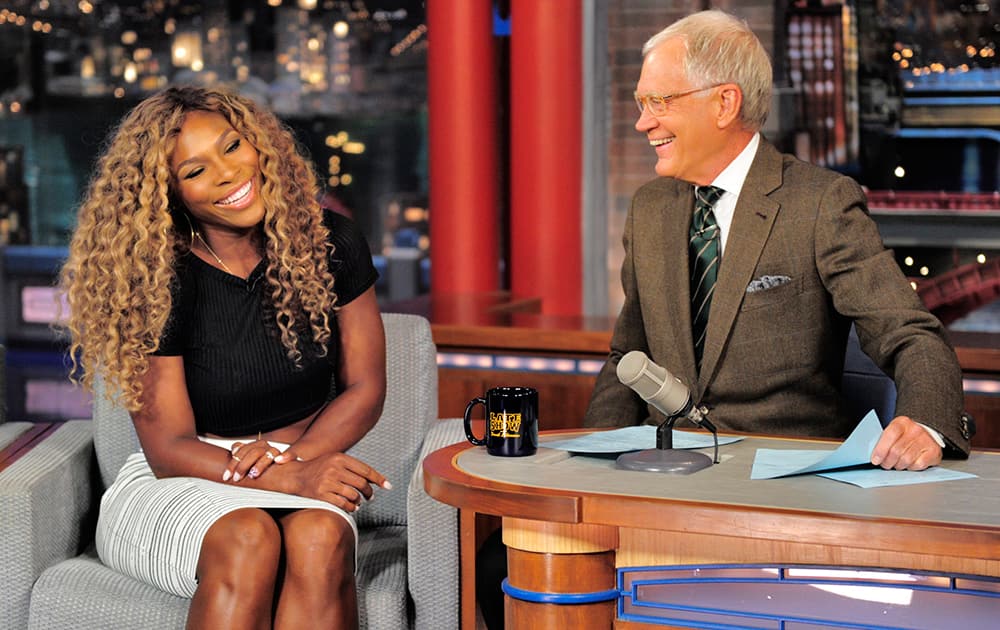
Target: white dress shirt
731,181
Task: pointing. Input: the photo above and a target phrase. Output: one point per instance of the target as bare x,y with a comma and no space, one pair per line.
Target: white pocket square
764,283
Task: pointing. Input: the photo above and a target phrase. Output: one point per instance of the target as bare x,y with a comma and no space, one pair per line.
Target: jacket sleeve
893,326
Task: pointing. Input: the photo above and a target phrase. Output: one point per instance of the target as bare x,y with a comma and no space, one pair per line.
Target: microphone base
674,461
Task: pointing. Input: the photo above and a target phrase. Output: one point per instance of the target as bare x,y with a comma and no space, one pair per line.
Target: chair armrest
12,436
47,503
432,540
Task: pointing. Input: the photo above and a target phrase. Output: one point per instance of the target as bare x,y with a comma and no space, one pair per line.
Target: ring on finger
269,454
235,457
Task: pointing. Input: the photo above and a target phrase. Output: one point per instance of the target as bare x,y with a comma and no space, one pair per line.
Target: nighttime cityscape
348,77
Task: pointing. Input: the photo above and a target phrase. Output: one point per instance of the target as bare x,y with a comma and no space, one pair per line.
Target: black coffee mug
511,421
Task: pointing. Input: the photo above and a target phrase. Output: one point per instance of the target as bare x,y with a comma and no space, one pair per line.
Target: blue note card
877,478
632,439
856,450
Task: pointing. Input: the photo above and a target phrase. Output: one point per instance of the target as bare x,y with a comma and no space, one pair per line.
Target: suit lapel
752,221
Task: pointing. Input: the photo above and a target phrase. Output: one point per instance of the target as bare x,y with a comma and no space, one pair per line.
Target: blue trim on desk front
536,597
788,606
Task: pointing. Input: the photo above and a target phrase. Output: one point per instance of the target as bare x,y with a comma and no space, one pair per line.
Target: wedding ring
268,455
235,457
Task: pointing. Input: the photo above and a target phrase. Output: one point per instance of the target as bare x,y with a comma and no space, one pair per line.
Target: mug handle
468,422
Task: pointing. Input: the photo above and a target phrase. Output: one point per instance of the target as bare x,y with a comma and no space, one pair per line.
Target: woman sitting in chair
238,323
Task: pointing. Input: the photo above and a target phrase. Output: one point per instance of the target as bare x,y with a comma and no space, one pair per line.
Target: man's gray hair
721,48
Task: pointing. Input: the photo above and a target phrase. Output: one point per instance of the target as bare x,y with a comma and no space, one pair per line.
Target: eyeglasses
658,103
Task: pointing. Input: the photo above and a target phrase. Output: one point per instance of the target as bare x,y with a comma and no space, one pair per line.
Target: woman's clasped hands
250,459
336,478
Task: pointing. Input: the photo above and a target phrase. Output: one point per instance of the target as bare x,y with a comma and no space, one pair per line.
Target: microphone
660,388
672,398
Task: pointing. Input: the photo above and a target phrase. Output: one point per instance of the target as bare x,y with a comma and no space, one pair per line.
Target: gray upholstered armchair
408,550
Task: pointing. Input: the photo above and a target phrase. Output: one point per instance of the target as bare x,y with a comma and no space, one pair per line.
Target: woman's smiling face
217,173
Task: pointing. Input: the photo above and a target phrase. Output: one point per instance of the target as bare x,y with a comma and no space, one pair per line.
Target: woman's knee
243,537
318,538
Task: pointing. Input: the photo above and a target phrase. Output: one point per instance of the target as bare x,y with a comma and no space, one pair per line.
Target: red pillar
461,97
546,134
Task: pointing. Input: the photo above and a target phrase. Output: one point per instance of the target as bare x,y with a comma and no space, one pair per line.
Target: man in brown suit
798,260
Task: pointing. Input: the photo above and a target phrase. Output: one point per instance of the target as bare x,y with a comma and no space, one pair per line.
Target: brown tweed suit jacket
774,356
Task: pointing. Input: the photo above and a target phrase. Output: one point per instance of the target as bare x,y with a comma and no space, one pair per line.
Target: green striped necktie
703,251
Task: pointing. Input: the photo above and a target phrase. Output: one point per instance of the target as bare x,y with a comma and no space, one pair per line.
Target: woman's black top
239,377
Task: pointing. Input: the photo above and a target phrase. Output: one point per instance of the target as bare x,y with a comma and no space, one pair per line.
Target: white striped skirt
152,529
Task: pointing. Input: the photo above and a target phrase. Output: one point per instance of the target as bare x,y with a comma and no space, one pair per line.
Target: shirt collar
731,179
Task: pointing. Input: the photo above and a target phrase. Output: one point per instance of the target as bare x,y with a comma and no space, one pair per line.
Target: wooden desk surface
957,518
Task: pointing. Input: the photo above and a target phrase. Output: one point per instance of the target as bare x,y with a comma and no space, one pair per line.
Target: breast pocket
775,295
776,330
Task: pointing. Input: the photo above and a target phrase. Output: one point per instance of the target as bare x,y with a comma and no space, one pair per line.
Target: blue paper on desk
878,478
856,450
632,439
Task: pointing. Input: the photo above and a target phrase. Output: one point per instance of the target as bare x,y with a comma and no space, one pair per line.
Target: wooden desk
569,522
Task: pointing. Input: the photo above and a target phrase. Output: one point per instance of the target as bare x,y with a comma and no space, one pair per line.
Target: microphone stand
664,458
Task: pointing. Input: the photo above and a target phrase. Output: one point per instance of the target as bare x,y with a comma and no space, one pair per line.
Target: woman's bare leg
318,590
237,570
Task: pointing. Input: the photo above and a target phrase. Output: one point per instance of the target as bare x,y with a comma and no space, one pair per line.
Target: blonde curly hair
130,232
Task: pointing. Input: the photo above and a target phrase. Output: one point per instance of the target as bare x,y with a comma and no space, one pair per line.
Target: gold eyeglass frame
661,101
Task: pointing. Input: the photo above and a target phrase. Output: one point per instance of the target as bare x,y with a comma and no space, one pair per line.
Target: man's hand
906,445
